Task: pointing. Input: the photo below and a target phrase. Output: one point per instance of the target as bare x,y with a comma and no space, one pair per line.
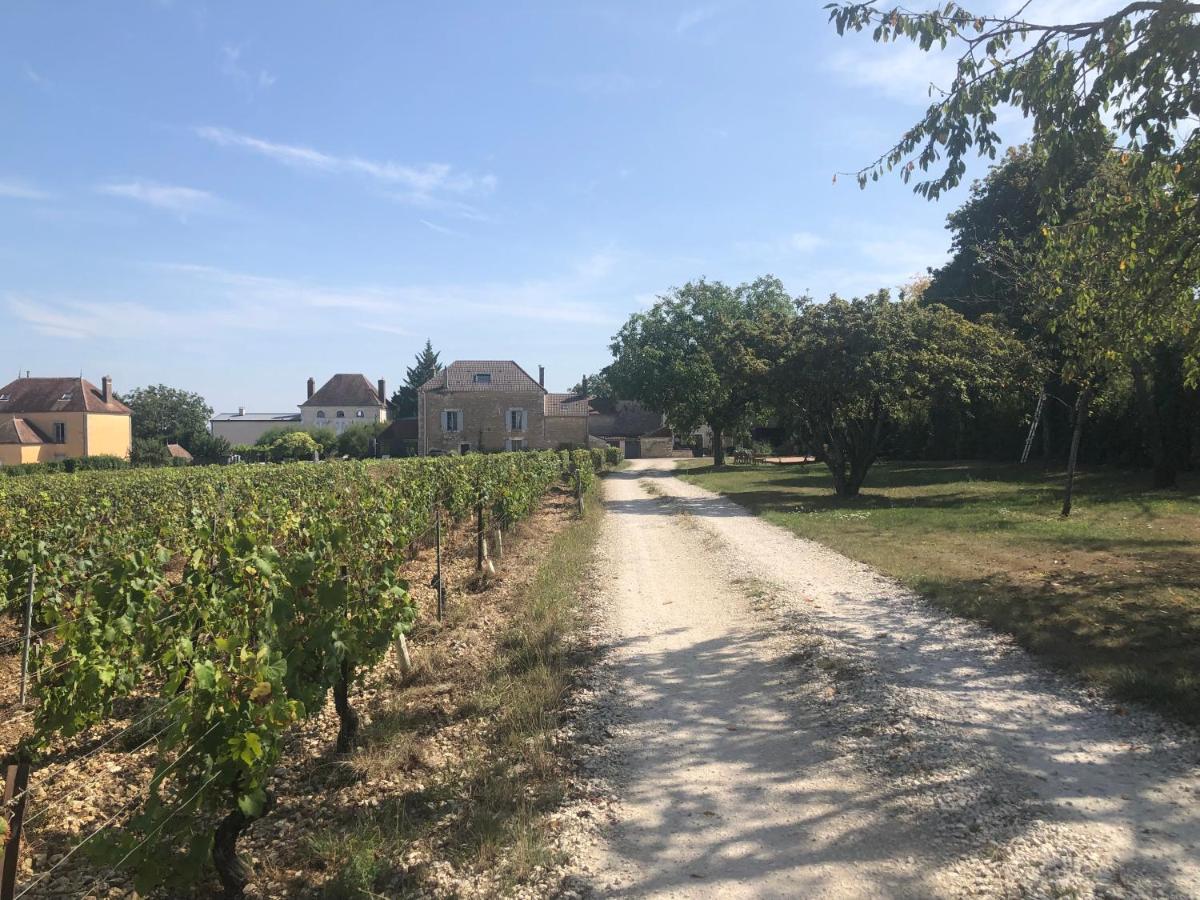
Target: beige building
344,401
495,405
47,419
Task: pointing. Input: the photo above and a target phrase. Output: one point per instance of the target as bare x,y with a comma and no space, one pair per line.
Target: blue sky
231,197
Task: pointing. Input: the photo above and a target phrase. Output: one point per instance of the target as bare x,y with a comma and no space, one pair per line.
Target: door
633,448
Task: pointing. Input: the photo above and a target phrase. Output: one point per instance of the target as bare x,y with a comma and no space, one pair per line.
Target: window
360,414
4,398
515,444
320,413
451,420
60,432
66,396
516,420
340,414
464,448
482,378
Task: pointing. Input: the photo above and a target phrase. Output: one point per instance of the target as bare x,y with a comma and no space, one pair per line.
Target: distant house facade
343,401
47,419
490,406
626,424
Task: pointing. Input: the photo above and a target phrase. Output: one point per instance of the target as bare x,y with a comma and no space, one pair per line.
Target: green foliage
360,441
1138,65
166,414
698,354
149,452
294,445
208,449
851,371
598,386
403,404
238,596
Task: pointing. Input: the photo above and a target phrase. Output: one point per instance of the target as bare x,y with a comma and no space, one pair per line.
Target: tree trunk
718,446
348,730
1047,436
1080,413
1152,428
234,872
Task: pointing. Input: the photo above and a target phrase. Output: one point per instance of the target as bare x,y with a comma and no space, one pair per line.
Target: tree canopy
404,400
165,413
698,353
852,370
1139,65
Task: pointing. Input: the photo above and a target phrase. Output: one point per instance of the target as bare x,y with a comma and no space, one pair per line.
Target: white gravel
790,723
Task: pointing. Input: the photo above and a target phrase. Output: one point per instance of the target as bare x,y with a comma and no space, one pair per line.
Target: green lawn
1113,593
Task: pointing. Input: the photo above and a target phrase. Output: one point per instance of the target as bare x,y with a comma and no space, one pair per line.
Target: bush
613,456
360,441
292,446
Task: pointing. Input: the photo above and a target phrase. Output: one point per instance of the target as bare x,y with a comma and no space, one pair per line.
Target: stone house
638,431
343,400
47,419
495,405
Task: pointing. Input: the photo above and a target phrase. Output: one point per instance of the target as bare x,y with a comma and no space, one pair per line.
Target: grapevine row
237,598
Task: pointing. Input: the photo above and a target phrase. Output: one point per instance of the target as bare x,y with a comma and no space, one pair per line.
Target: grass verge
1112,594
488,752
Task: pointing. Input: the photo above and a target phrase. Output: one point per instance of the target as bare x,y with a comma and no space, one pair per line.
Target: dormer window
4,398
482,378
66,396
340,414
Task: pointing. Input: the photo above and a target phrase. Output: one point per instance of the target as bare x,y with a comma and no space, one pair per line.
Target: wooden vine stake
28,637
480,539
437,579
579,489
12,814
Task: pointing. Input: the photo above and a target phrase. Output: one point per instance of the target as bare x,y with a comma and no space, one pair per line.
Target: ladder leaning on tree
1037,417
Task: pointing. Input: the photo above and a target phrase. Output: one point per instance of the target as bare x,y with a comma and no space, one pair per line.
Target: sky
232,197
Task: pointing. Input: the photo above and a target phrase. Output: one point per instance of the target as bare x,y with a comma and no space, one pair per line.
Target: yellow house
45,419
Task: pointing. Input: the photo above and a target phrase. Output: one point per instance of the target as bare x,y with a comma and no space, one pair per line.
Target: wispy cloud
32,75
690,18
439,229
250,80
16,189
169,197
430,185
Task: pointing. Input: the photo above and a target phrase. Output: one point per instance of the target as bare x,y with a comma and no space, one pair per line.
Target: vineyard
215,609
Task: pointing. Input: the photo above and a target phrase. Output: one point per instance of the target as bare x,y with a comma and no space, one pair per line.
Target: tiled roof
179,452
566,405
503,375
256,417
346,390
28,395
18,431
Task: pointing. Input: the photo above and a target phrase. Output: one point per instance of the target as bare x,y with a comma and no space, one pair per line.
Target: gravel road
789,723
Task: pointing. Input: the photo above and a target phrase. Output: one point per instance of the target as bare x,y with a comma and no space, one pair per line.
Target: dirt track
790,723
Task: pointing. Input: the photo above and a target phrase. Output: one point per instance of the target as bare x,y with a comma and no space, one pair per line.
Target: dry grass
1113,593
480,728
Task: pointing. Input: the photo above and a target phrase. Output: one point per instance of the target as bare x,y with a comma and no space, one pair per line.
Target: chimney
583,384
241,410
382,391
312,386
106,388
542,376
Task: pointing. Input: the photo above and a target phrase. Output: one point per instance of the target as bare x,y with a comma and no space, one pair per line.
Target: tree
1139,64
698,354
167,414
149,452
325,438
209,449
404,401
295,445
360,441
852,370
598,386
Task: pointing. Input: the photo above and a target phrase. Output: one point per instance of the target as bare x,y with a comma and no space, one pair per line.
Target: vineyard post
28,637
579,489
499,543
15,781
480,539
441,591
